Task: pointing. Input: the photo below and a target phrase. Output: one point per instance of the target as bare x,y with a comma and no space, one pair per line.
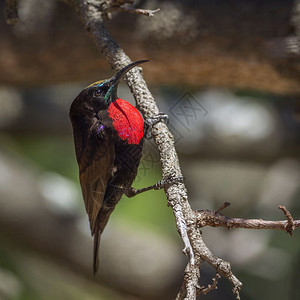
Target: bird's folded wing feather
96,168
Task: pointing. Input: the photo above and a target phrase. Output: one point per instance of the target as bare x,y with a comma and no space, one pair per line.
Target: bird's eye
97,93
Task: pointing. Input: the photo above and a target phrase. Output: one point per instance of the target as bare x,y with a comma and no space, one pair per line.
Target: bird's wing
95,168
127,159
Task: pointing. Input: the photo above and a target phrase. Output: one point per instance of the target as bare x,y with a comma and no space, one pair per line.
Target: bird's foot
164,183
157,118
150,122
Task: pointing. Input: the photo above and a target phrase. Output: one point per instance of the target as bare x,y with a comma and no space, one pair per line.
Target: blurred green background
235,114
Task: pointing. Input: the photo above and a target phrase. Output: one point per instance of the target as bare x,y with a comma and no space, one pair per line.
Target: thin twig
137,11
213,219
291,224
225,204
204,290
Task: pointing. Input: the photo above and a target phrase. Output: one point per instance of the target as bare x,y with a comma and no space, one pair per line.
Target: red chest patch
127,121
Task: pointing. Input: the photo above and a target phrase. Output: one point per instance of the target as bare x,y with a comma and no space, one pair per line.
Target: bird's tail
97,237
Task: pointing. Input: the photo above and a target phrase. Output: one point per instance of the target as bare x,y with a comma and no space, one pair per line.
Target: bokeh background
227,74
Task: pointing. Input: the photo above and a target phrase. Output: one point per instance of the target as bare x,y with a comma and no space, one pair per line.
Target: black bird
108,136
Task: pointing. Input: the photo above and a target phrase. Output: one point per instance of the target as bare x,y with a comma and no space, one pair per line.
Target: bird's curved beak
114,81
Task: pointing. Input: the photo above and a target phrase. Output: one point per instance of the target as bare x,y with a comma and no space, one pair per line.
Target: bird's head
100,94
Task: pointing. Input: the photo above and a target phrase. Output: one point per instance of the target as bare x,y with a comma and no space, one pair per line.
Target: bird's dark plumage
108,138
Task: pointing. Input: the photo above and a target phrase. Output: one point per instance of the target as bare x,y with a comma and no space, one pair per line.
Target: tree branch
194,246
215,219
